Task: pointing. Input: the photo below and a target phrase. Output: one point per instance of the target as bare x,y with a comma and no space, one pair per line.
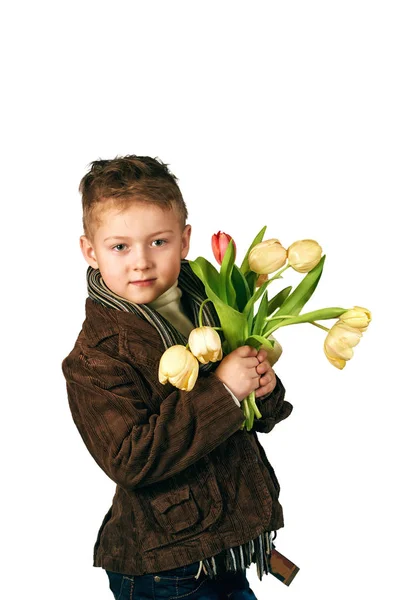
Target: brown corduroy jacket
189,481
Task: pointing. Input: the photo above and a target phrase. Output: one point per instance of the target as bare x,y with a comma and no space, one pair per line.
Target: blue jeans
180,583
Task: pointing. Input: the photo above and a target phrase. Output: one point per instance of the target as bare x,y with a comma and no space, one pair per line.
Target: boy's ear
88,251
185,241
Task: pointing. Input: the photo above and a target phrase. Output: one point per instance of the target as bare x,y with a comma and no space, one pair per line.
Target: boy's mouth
143,282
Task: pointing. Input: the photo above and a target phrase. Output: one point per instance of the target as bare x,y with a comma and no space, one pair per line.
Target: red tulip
220,241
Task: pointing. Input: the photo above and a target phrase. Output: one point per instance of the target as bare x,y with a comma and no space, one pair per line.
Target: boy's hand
267,381
239,371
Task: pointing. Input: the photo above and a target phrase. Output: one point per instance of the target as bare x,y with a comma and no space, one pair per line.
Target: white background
282,114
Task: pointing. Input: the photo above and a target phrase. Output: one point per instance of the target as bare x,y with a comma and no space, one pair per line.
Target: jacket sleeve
273,408
134,446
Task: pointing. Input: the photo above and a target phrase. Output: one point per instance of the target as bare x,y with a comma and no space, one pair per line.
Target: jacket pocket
178,508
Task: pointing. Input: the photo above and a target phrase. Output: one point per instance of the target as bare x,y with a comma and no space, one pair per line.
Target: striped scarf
258,550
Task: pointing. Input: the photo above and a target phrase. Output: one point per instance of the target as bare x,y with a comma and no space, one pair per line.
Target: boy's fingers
265,387
263,367
251,362
262,391
262,354
268,378
247,350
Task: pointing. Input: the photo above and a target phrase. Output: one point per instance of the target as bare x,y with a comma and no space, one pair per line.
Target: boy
196,499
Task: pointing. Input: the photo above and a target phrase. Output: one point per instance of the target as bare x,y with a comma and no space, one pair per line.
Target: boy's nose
141,261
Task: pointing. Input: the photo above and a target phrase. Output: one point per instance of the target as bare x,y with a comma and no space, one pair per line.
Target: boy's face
144,242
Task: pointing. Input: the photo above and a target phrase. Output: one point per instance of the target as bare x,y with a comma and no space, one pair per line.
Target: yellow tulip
266,257
339,343
205,344
357,317
303,255
336,362
179,367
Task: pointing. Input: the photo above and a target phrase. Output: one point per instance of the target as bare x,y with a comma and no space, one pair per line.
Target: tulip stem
280,317
255,297
250,411
321,326
289,316
200,310
277,275
245,408
252,403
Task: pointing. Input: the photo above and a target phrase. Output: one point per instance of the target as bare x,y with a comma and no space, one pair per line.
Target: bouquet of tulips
234,291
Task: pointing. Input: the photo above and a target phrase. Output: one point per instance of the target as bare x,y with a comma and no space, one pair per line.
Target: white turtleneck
169,305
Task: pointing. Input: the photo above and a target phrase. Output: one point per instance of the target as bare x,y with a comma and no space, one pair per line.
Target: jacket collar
103,321
100,322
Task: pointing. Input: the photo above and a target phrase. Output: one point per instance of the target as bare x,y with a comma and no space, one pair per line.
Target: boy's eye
121,247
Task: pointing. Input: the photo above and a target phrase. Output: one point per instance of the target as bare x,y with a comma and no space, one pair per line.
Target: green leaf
331,312
259,340
294,303
250,318
226,288
241,287
251,278
234,323
225,347
207,273
249,305
261,315
277,300
245,264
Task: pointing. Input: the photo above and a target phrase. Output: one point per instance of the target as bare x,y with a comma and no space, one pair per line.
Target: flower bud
205,344
336,362
179,367
261,279
304,255
357,317
220,241
339,343
266,257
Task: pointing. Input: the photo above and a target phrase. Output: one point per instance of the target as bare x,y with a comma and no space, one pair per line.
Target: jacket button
157,578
